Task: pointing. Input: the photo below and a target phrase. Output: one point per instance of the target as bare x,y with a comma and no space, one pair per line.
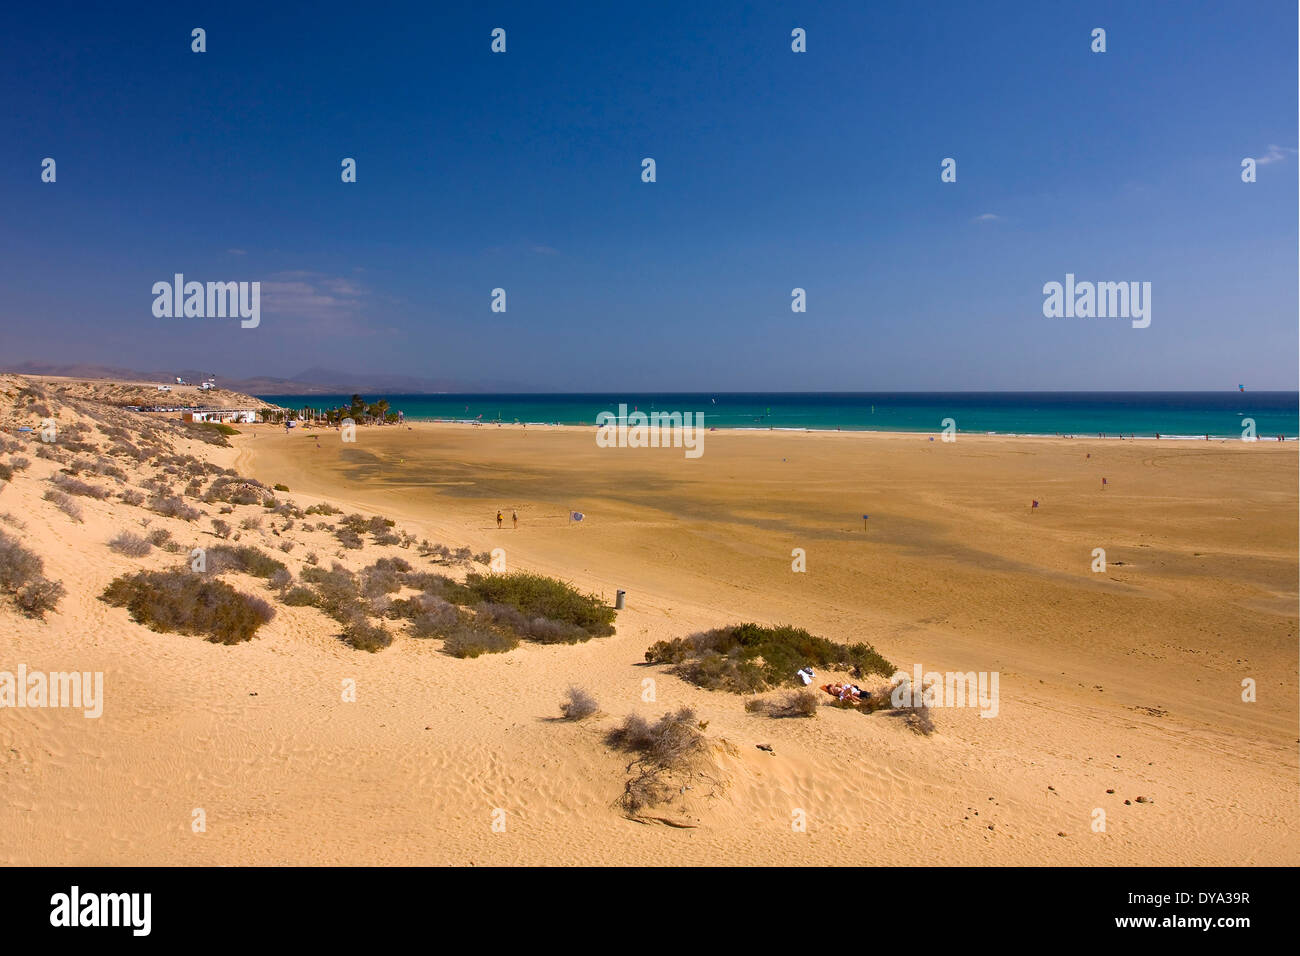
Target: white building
238,416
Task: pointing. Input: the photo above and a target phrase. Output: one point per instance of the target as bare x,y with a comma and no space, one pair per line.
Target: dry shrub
244,559
187,603
796,703
132,545
22,577
300,597
64,504
578,704
667,755
75,486
470,637
170,506
365,636
434,617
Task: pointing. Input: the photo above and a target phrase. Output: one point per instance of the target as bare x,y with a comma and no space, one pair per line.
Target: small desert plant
22,577
337,591
279,487
75,486
64,504
300,597
244,558
578,704
131,497
251,523
672,747
796,703
132,545
221,528
174,507
349,539
365,636
378,579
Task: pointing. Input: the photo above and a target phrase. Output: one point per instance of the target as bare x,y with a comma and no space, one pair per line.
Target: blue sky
775,170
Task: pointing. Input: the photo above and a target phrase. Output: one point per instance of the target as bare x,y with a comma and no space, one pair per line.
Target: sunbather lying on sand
850,692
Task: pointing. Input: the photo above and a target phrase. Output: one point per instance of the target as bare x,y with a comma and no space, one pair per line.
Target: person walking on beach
500,518
514,516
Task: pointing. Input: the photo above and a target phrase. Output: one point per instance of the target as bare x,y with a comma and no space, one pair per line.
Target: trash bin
618,599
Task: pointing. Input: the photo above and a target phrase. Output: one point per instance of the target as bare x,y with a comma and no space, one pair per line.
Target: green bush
748,658
535,595
470,637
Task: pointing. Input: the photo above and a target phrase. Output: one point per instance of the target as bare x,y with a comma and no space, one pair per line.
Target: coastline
1113,685
870,432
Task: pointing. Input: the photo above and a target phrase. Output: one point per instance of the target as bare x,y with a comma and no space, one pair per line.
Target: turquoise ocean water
1084,414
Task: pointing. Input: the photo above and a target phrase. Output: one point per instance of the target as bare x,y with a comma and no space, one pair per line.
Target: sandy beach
1114,685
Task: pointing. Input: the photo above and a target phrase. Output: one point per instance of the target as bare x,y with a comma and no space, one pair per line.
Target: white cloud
327,303
986,217
1275,154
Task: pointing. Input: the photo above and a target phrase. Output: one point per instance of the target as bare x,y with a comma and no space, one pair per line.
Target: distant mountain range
312,381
